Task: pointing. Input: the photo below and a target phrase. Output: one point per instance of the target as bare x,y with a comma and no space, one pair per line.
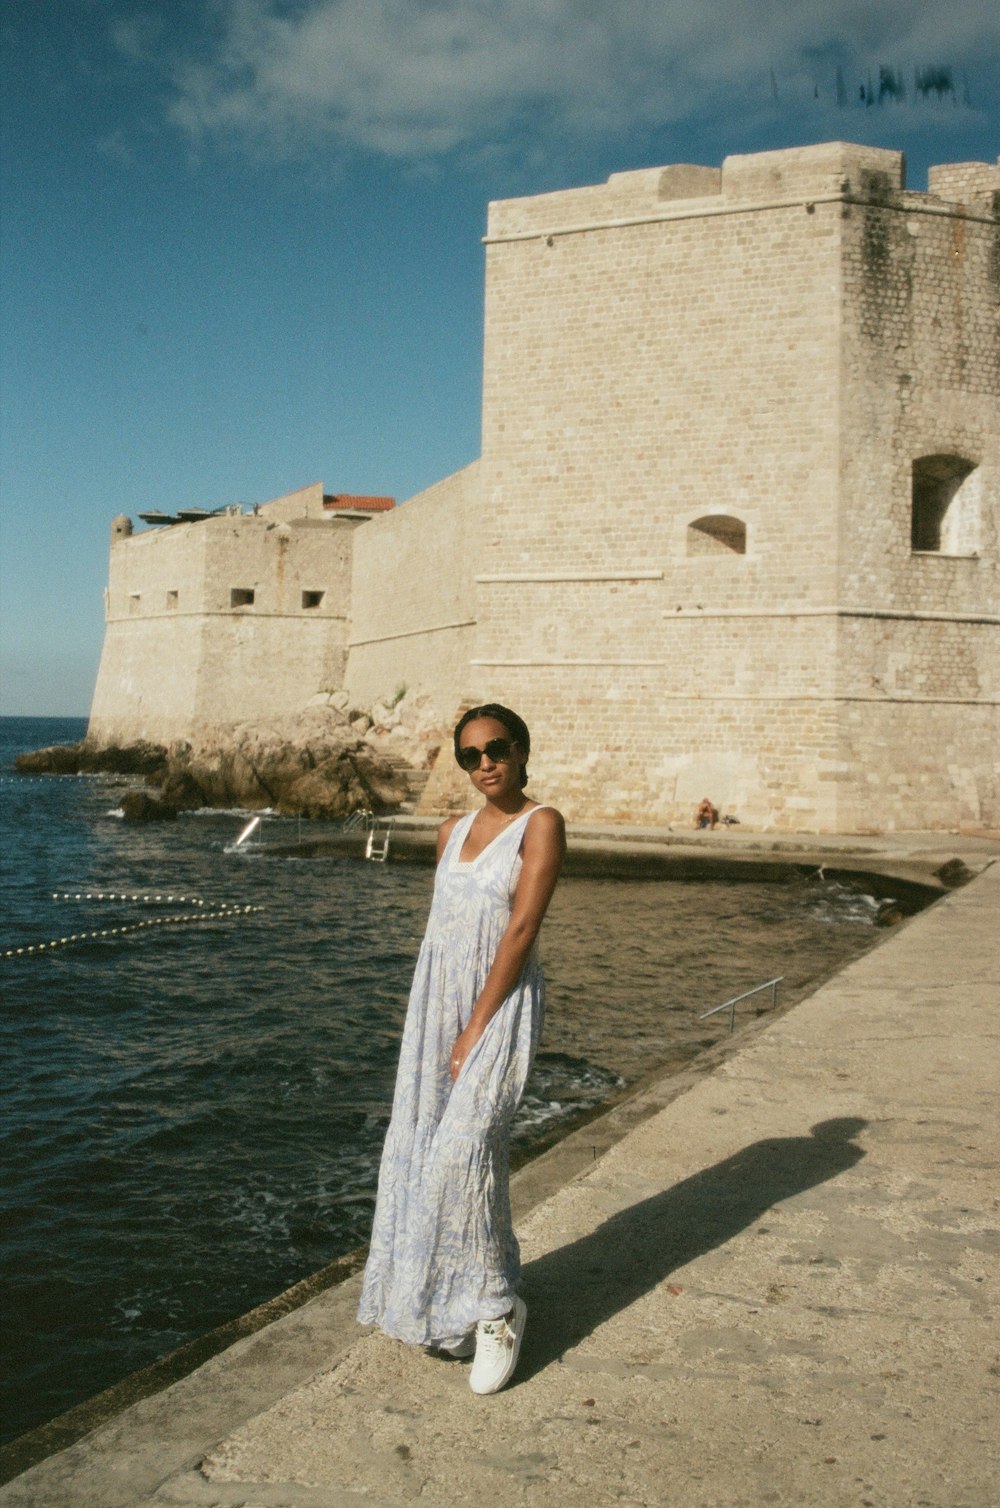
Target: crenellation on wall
304,502
761,180
976,184
832,168
685,180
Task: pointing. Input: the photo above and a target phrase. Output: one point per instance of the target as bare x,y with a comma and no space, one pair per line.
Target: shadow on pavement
574,1289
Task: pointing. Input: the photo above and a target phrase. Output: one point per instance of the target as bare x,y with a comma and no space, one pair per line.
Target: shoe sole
520,1317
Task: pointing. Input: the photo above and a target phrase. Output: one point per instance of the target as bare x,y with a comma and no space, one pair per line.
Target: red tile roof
363,504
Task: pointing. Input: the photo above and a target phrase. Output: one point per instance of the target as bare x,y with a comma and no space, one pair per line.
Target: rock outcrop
90,759
140,806
327,761
314,766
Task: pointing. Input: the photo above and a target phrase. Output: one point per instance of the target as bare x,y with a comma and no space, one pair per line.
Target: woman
444,1260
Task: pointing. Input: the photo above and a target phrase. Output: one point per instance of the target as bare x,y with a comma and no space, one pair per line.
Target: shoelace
494,1332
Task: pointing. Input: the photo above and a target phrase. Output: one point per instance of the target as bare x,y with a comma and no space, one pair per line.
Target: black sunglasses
498,749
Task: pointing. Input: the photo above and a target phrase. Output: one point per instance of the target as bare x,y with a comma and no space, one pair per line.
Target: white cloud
413,79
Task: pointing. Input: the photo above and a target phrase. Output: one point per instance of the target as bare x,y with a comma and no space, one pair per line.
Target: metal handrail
360,817
730,1005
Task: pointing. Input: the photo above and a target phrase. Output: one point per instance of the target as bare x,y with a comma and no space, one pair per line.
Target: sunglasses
498,750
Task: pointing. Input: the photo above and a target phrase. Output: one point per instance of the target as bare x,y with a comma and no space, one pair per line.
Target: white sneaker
463,1349
498,1343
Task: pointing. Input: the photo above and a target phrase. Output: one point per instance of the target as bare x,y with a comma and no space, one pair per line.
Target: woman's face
494,778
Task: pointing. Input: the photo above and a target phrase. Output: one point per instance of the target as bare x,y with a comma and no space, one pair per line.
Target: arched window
717,534
945,506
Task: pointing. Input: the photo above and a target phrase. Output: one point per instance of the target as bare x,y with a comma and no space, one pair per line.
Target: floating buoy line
224,911
33,779
146,900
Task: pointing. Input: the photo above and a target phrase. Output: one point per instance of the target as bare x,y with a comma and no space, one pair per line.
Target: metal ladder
378,829
377,842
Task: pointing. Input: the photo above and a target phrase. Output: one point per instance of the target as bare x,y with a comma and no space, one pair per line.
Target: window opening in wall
172,599
133,602
241,596
945,506
717,534
312,599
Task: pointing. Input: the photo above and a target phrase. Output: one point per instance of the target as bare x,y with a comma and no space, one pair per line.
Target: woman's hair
516,727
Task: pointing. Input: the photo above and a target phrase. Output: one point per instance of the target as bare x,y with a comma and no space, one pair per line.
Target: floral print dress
443,1251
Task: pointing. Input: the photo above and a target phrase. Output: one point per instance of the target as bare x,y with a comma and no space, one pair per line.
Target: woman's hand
464,1043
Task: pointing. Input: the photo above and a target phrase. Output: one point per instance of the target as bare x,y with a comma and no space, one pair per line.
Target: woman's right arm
543,850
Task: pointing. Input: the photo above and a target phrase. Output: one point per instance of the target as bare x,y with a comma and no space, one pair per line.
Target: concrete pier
775,1281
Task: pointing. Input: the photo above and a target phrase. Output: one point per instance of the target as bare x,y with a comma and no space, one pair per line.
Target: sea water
195,1096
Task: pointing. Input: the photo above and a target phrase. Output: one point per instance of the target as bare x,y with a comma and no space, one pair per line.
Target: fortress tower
735,528
218,619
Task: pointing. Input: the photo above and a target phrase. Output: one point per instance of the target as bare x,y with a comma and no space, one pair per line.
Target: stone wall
221,621
700,421
147,681
304,502
973,183
646,373
413,605
920,670
733,532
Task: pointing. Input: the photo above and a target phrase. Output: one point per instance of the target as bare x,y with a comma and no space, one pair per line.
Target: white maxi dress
443,1251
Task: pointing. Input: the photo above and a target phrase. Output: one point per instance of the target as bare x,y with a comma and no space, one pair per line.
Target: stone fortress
734,530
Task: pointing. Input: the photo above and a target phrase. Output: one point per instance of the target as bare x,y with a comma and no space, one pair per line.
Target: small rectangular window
945,506
133,602
172,599
241,596
717,534
312,599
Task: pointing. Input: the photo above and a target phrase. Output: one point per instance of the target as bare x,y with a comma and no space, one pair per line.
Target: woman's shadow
575,1288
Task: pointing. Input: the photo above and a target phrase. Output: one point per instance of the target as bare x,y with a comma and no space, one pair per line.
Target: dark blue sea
193,1108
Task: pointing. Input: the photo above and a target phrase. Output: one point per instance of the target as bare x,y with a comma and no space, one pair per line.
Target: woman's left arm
542,854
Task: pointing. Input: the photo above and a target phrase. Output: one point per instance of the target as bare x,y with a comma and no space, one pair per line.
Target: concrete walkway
780,1286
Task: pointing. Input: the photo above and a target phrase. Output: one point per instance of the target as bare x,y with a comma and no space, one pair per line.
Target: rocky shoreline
326,762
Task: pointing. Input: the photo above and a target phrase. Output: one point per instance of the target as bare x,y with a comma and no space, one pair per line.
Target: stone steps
415,781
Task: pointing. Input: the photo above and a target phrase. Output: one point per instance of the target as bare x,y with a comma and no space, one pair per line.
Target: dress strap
460,831
468,817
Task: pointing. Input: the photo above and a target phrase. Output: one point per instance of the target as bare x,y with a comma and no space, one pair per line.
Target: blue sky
240,239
